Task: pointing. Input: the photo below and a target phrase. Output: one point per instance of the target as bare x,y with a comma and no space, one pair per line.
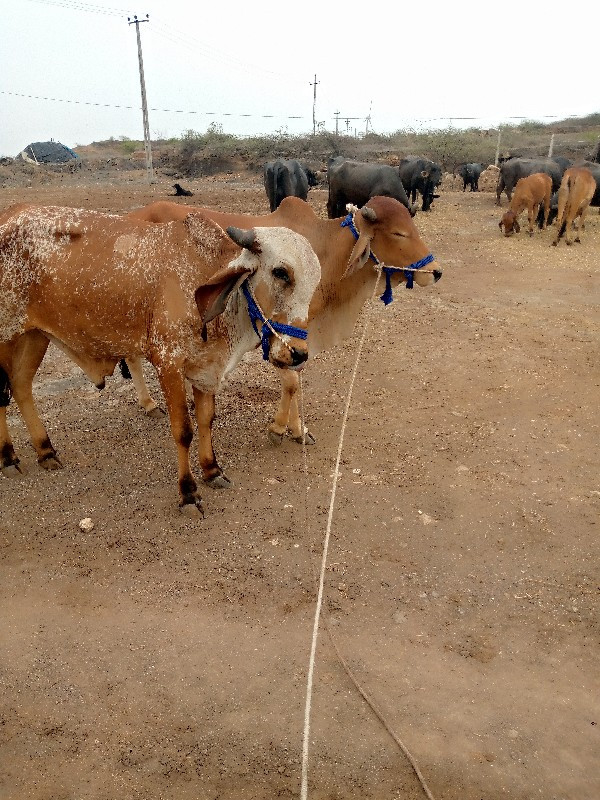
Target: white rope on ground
309,682
336,475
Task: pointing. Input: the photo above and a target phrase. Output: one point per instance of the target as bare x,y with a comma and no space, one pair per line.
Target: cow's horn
369,213
245,239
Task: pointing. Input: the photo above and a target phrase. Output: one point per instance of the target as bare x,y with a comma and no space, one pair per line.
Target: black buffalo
563,163
420,175
515,168
285,178
470,174
552,213
357,181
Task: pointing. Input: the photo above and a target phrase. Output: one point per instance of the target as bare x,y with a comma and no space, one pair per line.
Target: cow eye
399,233
281,274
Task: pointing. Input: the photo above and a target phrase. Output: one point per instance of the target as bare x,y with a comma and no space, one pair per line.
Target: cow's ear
359,255
211,298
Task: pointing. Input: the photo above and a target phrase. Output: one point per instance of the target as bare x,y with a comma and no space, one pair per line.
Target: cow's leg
143,395
9,463
173,387
581,226
27,356
499,189
288,414
532,212
212,473
546,211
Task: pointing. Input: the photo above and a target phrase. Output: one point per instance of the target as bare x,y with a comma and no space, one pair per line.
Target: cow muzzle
287,356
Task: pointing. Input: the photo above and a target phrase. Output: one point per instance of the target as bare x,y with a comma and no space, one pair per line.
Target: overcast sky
69,69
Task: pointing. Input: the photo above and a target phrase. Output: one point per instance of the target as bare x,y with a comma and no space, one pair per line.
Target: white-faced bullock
347,249
180,295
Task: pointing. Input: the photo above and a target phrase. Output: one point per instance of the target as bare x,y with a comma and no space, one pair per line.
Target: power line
165,110
76,5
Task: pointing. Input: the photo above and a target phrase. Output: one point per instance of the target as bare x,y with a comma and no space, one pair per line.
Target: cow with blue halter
376,244
186,296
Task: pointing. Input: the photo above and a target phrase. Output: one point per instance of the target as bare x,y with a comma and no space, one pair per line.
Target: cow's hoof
156,413
308,438
193,510
50,462
569,243
275,438
12,471
219,482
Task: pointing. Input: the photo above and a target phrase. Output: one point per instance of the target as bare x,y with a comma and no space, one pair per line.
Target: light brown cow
383,224
103,287
530,193
577,188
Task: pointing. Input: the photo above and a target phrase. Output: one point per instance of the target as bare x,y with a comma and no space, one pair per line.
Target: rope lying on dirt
321,585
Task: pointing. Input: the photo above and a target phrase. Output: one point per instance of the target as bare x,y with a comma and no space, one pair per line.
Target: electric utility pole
314,105
147,146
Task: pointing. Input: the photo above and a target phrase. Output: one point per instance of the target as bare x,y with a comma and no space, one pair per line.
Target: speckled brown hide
103,287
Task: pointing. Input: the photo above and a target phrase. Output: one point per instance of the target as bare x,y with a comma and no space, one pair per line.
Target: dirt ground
156,657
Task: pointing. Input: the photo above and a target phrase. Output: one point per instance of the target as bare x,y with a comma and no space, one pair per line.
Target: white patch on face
282,247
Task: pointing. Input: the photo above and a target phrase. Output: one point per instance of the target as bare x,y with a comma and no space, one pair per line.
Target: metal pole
498,147
314,106
551,148
147,146
337,119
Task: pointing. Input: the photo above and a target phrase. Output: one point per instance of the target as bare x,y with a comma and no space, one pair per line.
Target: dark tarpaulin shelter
48,153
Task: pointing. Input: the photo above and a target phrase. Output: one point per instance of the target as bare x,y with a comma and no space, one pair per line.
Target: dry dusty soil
161,657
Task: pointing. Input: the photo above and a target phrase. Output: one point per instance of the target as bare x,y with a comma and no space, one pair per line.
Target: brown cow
577,188
103,287
383,223
530,193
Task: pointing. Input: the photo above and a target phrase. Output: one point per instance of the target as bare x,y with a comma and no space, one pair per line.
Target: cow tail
124,369
4,389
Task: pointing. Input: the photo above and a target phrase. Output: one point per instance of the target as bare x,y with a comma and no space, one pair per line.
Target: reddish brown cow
103,287
577,188
530,193
383,224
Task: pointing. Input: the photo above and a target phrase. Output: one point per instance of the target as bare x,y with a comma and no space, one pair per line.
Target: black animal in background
358,181
470,174
181,192
420,175
513,169
286,178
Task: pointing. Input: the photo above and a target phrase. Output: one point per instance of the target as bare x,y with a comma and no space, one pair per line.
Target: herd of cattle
572,188
191,290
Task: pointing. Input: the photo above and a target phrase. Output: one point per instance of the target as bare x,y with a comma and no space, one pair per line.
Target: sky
69,69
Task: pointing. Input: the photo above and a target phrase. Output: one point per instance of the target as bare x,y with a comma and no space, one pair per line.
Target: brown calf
530,193
103,287
577,188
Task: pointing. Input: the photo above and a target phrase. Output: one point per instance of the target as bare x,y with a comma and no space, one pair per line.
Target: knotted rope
269,326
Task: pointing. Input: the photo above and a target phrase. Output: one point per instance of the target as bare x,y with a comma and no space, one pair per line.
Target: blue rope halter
387,297
269,325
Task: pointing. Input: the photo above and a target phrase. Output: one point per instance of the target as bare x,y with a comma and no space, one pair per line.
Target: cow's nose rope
269,325
409,271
